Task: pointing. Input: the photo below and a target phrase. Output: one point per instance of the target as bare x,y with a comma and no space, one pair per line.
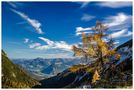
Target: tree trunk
101,58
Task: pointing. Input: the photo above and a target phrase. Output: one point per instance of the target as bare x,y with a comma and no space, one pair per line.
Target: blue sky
49,29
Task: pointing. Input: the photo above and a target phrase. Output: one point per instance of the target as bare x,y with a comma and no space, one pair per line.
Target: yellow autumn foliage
91,51
96,77
94,46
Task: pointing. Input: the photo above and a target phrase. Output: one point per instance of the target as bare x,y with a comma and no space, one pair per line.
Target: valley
71,73
45,68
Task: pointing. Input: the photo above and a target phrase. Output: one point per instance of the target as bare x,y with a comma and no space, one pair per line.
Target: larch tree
97,45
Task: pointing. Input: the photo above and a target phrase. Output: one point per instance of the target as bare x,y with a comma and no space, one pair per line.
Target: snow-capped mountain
125,50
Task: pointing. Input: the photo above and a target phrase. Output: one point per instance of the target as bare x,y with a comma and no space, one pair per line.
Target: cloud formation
33,45
119,26
119,23
16,4
79,30
87,17
26,40
114,4
49,44
119,19
121,33
53,44
12,4
84,4
34,23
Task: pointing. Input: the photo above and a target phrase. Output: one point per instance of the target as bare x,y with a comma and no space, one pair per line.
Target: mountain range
67,72
45,68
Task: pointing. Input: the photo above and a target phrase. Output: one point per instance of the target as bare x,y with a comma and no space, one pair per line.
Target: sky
49,29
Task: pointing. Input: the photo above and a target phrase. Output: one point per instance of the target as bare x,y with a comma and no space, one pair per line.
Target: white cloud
114,4
43,47
119,19
84,4
49,42
33,45
121,33
63,45
12,4
79,30
50,45
15,4
120,23
129,33
79,33
87,17
26,40
34,23
54,44
118,34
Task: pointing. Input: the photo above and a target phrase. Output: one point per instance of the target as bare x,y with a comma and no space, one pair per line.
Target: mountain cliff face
113,74
13,76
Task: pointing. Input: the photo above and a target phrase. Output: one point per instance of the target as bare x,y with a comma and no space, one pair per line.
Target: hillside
13,76
115,74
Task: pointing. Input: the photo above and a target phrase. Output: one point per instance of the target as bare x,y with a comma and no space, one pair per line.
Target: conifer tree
94,45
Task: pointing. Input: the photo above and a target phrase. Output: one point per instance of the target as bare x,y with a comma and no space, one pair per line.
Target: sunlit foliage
96,77
97,45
